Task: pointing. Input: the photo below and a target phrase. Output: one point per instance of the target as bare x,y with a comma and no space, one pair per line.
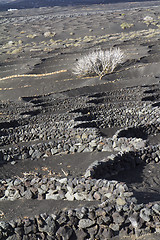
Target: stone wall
66,188
78,141
123,160
117,214
109,219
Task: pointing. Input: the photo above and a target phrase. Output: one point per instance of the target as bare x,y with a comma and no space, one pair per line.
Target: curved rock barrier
66,188
30,125
16,135
113,164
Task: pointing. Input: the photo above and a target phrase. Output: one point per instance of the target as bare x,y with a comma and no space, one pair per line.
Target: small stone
100,146
97,195
65,232
13,162
53,151
93,231
100,212
80,149
88,173
78,136
36,154
73,149
85,223
12,223
27,194
145,214
27,184
40,191
63,180
120,201
69,196
156,159
156,208
108,195
4,225
128,194
137,207
18,231
80,234
114,227
52,195
70,189
84,136
107,233
25,156
106,219
10,43
134,220
79,196
61,194
139,144
106,148
17,182
47,34
117,218
40,197
88,150
44,187
93,144
31,151
28,229
50,226
62,219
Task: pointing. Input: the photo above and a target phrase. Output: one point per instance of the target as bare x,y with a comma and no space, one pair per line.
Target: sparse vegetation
148,20
15,51
126,25
49,34
99,62
31,36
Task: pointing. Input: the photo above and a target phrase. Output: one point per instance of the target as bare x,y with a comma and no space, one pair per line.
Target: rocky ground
79,157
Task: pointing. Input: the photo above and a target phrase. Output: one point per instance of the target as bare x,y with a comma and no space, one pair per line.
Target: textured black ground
21,96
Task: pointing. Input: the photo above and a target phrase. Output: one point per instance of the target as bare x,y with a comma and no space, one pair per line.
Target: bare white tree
99,62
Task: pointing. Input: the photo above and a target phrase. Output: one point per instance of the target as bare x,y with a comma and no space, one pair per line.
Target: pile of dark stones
65,188
46,126
111,218
80,142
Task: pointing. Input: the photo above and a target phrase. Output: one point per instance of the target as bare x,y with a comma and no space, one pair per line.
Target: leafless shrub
99,62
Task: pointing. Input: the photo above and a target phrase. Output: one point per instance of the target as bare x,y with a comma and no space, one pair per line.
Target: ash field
79,156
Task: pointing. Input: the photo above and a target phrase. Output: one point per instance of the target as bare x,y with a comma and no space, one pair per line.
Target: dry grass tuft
99,62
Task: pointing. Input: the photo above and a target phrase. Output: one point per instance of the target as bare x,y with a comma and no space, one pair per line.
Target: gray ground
26,53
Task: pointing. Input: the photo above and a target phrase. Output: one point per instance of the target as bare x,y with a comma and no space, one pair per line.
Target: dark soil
28,100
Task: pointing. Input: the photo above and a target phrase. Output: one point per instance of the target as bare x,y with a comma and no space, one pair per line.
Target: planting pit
140,171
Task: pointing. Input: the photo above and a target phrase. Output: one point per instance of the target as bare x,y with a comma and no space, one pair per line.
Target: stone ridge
123,160
112,216
65,188
46,149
